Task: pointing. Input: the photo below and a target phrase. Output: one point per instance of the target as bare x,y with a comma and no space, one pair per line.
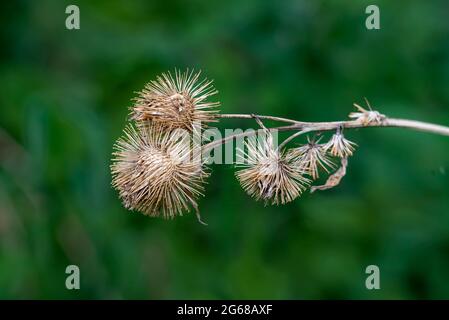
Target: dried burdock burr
339,146
179,101
154,172
366,117
269,175
311,157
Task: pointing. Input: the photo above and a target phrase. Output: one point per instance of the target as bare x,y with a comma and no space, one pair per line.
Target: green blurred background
64,101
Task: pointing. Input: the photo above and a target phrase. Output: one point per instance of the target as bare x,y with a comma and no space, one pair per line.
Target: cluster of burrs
149,167
152,167
277,175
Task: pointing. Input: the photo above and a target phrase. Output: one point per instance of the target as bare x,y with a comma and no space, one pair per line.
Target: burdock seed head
339,146
311,157
269,175
176,102
153,172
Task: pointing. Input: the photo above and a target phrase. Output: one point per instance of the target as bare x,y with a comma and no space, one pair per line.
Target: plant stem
293,136
252,116
418,125
305,127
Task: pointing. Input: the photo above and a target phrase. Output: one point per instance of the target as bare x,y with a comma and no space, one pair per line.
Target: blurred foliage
63,103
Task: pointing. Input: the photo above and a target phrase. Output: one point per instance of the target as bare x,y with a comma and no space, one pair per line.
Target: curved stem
293,136
217,143
251,116
418,125
305,127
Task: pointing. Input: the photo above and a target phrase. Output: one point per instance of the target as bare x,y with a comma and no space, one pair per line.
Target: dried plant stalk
150,173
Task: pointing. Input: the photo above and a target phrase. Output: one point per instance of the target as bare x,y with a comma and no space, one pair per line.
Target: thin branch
252,116
334,125
213,144
418,125
291,138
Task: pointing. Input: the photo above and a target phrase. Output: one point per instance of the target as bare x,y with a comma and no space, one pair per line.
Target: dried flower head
310,157
339,146
176,102
269,175
367,117
154,173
